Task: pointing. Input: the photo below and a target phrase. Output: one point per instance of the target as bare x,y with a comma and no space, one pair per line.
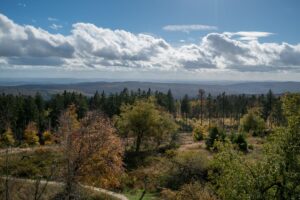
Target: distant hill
178,89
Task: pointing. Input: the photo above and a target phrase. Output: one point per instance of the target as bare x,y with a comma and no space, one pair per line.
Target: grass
23,189
37,164
19,190
33,164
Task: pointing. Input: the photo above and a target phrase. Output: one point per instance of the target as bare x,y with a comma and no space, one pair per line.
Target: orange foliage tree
93,152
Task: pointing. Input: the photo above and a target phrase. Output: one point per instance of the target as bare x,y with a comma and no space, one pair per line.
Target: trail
61,184
187,143
16,150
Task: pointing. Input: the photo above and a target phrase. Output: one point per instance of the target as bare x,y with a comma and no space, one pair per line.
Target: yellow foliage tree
7,138
199,131
30,134
48,138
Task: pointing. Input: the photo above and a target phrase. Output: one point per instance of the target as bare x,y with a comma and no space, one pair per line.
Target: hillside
178,89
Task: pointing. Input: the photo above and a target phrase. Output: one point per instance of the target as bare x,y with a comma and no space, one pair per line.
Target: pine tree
170,103
185,108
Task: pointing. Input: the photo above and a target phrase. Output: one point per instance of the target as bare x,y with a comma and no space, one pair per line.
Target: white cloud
95,48
22,5
52,19
56,26
249,35
189,27
22,44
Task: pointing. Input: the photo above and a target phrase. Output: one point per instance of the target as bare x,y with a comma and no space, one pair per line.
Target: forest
150,145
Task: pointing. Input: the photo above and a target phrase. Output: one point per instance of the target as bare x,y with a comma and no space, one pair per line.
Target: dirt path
60,184
187,143
16,150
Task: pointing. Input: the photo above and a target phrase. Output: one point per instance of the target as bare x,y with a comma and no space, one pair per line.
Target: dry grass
257,144
20,189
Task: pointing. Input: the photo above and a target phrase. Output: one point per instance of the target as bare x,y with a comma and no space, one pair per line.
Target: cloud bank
89,47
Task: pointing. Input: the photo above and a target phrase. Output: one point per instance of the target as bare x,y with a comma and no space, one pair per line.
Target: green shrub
250,146
252,123
184,168
184,125
214,134
240,140
32,164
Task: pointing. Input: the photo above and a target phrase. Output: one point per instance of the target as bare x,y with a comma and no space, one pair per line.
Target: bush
194,191
168,194
34,164
240,140
215,133
250,146
184,168
184,125
252,123
199,132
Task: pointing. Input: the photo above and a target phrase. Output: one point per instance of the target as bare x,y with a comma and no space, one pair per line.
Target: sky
151,39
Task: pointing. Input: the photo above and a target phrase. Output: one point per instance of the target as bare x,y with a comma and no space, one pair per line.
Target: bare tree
201,93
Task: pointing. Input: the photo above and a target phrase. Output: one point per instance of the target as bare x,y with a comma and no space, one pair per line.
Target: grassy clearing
32,164
23,189
20,190
39,163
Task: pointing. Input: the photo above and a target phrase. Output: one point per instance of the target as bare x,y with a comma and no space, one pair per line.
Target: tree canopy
144,120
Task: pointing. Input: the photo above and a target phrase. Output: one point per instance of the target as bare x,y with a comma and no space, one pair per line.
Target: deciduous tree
92,151
31,134
144,120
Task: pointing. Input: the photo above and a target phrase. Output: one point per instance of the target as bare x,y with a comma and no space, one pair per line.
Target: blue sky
214,26
276,16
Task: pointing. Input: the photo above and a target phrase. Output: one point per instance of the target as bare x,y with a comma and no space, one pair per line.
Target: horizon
65,80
